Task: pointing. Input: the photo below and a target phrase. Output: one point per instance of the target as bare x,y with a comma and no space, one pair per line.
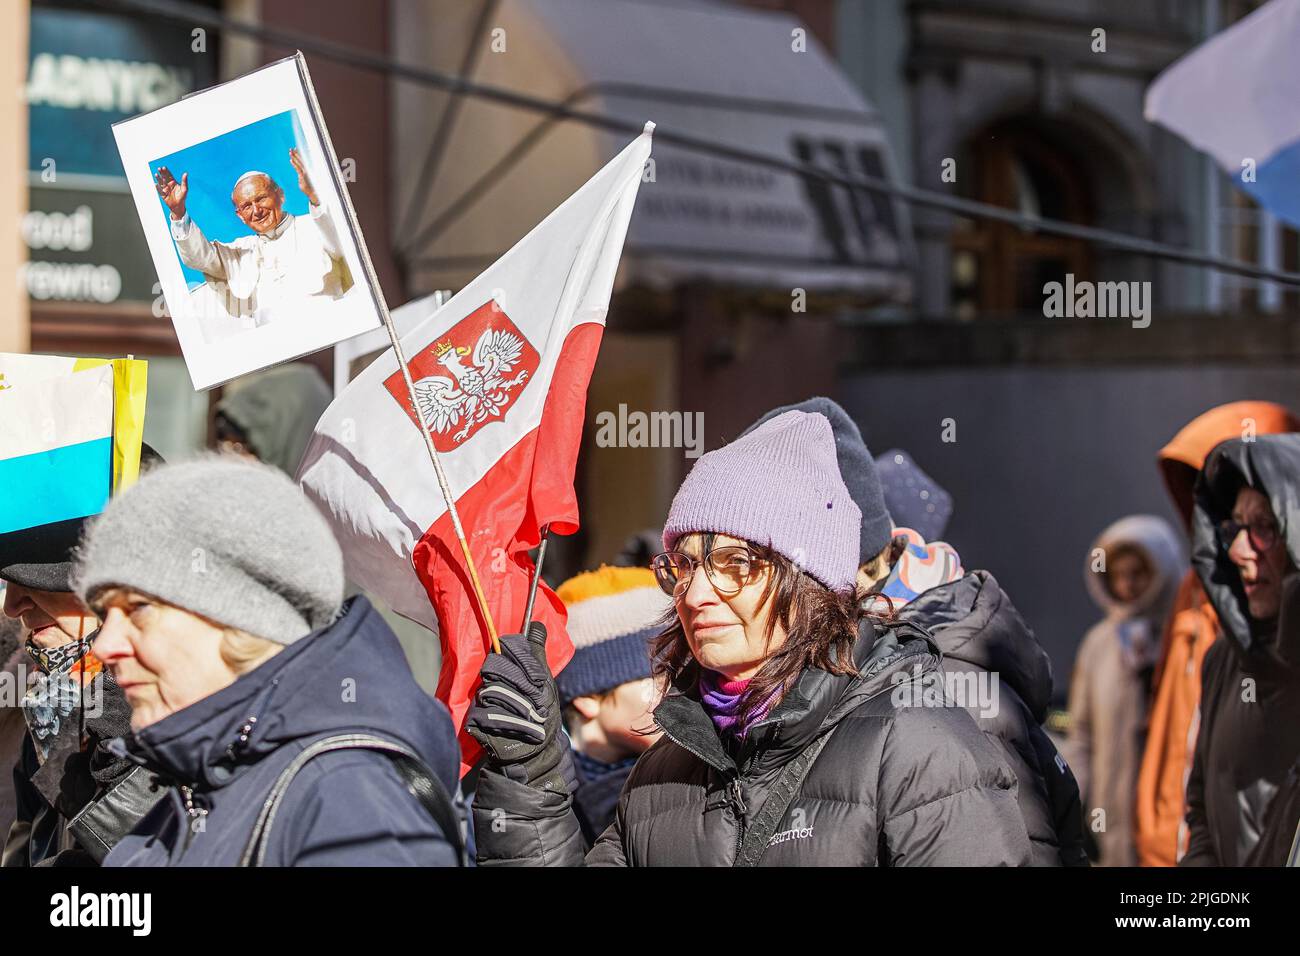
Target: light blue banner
67,482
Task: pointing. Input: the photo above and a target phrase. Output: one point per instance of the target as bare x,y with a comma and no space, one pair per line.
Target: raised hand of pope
173,193
304,181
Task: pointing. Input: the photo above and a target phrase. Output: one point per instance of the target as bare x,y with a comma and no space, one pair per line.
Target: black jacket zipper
191,812
734,792
736,797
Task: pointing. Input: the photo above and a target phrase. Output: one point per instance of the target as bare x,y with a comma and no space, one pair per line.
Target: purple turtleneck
722,698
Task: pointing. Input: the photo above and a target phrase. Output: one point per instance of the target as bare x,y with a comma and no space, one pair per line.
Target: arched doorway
1032,166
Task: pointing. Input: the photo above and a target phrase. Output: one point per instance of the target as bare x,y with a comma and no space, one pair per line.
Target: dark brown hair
821,628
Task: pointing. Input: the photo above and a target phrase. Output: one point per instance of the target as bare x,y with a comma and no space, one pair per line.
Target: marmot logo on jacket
798,833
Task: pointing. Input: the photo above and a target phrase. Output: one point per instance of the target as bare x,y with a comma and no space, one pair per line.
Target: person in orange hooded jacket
1161,833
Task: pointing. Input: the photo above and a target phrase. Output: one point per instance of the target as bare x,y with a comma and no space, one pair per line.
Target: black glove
516,714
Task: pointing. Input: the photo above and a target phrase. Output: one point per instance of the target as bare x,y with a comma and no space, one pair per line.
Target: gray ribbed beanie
229,539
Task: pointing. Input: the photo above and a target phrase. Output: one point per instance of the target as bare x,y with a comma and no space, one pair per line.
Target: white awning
712,70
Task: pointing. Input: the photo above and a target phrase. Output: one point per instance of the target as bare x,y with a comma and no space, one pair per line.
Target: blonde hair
241,651
877,569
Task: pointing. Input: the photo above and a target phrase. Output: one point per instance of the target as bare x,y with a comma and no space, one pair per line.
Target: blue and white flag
56,448
1237,97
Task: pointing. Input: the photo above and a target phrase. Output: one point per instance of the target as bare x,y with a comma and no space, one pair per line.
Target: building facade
1046,428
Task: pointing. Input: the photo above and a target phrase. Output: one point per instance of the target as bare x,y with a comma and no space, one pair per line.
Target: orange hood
1185,454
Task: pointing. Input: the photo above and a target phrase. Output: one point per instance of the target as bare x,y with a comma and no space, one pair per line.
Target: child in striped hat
606,690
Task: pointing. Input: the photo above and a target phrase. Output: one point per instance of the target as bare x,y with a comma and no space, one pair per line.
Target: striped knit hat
613,613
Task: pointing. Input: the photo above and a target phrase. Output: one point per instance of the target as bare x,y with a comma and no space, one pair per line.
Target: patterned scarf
53,696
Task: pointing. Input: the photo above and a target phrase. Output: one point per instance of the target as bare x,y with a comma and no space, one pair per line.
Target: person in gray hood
1132,571
1243,793
270,415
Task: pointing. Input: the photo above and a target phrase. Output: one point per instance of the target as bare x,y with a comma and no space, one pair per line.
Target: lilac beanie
778,486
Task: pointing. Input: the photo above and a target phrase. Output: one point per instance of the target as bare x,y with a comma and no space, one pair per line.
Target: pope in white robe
287,268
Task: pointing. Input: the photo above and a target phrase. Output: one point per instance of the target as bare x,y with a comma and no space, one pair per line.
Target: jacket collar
817,701
200,746
281,227
684,721
211,742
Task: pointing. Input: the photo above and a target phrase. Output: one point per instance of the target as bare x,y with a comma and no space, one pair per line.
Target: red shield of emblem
468,377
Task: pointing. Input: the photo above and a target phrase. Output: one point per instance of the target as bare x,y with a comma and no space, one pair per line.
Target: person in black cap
74,798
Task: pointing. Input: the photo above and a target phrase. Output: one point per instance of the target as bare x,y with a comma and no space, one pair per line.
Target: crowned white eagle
474,392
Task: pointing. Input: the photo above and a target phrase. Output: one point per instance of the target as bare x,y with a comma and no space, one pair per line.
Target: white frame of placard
271,90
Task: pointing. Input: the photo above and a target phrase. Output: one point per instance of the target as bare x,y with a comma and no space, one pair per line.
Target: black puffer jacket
980,633
1249,738
902,782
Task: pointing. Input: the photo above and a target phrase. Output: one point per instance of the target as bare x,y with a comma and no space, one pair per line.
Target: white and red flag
501,372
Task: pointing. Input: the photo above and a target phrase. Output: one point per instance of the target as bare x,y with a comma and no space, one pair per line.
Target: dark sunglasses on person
1262,534
729,569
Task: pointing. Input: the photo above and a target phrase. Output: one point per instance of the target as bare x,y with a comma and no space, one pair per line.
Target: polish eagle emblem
477,385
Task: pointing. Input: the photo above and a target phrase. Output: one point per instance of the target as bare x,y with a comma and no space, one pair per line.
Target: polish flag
501,372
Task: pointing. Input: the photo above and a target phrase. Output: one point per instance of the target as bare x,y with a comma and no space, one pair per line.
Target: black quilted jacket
982,636
904,781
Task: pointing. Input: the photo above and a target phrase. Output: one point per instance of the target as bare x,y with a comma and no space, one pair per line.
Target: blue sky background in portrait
215,164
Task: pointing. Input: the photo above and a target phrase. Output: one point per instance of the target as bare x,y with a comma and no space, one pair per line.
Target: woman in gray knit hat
247,678
797,731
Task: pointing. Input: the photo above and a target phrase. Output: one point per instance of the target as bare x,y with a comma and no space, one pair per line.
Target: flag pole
442,478
537,576
369,268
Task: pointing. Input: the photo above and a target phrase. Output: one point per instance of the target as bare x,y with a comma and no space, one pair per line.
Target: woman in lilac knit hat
796,730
